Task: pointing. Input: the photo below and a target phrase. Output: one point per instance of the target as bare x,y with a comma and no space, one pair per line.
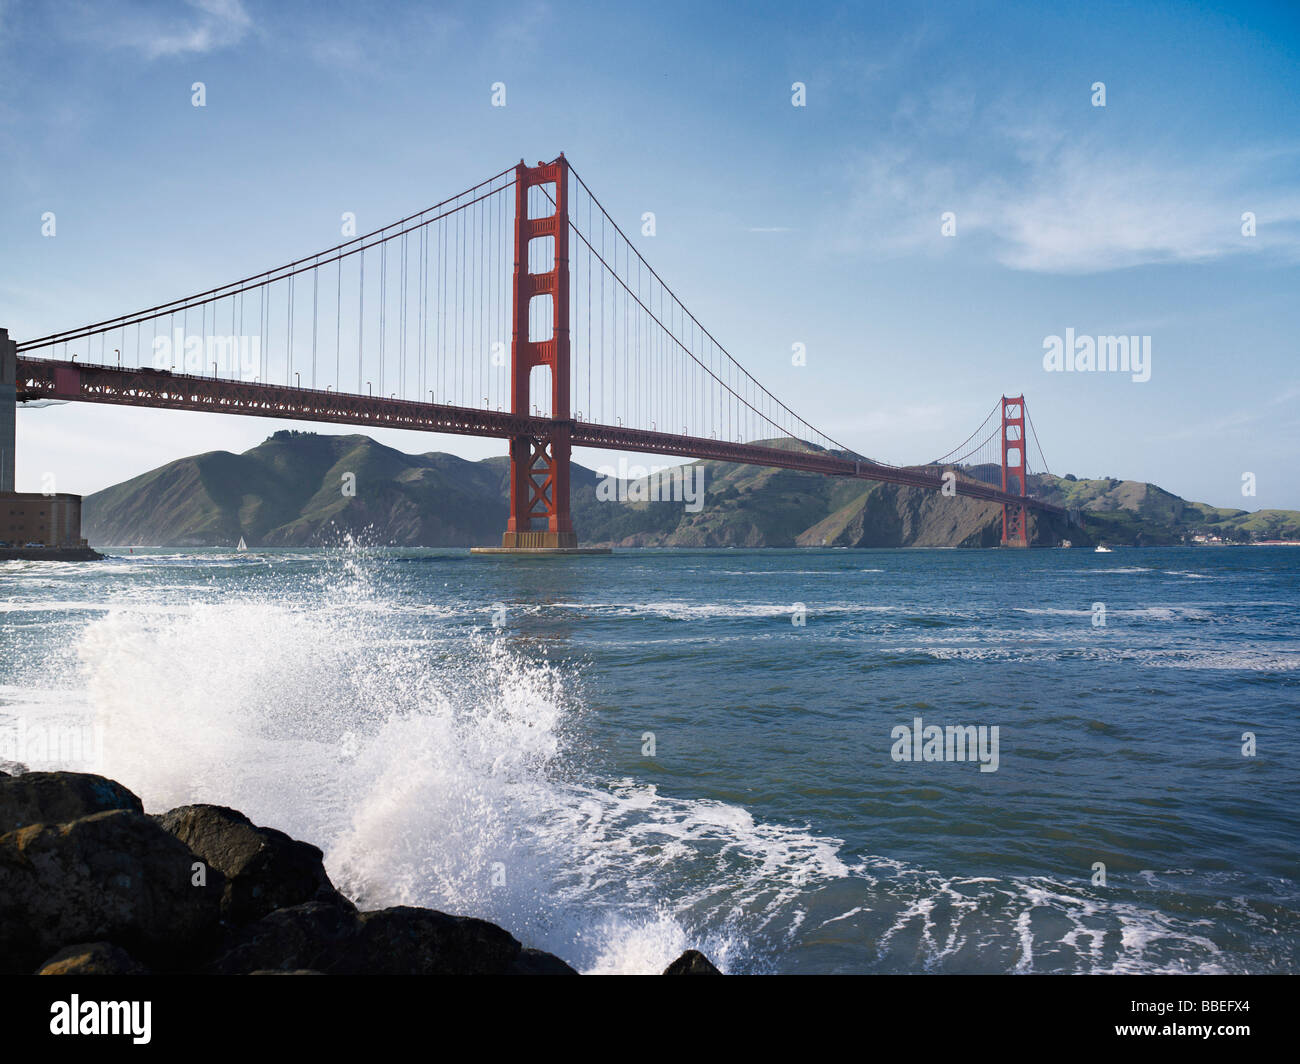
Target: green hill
1132,512
300,488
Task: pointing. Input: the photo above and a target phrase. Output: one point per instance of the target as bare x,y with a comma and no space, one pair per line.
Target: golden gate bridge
517,309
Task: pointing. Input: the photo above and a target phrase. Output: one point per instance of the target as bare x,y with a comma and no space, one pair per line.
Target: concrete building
53,521
50,520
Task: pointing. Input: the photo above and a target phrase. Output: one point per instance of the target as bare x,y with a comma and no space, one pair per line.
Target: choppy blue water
620,757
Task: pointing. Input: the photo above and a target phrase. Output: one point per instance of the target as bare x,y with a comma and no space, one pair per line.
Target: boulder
114,876
692,962
57,797
409,941
535,962
92,958
94,886
337,940
316,935
264,868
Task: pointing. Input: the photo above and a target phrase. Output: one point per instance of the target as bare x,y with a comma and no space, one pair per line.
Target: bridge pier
8,411
41,527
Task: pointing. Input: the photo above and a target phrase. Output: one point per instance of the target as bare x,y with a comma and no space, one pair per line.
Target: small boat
1100,549
242,544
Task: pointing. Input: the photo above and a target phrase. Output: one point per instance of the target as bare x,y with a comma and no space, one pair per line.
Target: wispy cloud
522,27
155,32
356,41
1262,413
1039,197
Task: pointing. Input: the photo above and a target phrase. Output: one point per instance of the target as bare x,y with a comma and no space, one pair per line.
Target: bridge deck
76,382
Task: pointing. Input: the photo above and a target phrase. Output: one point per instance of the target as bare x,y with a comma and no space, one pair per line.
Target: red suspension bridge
517,309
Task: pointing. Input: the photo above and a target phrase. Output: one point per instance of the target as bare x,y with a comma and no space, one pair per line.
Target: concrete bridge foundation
8,409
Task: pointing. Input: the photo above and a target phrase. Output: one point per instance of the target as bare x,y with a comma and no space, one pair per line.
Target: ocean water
618,758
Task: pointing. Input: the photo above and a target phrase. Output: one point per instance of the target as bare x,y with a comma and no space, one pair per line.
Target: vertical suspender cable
361,325
315,289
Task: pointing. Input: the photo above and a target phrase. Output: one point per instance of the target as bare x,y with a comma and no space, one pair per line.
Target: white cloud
1039,198
1236,423
523,27
362,43
207,26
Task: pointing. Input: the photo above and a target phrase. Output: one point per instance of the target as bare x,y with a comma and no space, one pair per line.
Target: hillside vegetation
300,488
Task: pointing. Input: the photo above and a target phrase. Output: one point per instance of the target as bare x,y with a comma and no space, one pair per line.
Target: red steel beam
55,379
50,379
826,462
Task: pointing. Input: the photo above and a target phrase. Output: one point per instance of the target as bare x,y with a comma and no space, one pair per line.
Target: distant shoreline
124,550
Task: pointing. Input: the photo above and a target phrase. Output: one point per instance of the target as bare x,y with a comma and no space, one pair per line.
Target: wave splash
435,768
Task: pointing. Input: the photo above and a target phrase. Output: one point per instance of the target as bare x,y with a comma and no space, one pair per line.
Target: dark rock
535,962
692,962
397,941
12,768
92,958
57,797
265,869
409,941
90,883
315,935
114,876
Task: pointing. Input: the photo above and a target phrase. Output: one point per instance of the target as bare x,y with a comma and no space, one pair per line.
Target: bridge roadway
39,378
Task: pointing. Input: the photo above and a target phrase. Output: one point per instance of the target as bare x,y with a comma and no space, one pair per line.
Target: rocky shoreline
49,554
92,885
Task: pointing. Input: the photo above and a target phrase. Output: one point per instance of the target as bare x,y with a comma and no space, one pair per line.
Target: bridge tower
1015,523
539,464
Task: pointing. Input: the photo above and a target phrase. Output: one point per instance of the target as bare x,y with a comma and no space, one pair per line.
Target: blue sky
776,224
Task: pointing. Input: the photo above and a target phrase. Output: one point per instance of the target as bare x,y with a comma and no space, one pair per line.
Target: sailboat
242,544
